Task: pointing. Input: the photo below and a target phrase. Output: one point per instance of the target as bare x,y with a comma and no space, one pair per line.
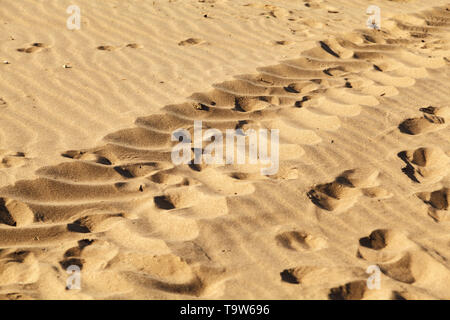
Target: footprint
426,164
433,119
270,11
342,193
15,213
351,291
35,47
300,241
3,103
313,4
281,42
383,245
11,159
190,42
87,156
192,202
358,290
93,255
405,261
317,275
18,267
179,198
320,277
106,48
99,222
438,202
134,46
113,48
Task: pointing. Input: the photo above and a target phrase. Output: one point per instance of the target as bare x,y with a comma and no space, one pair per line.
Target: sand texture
87,180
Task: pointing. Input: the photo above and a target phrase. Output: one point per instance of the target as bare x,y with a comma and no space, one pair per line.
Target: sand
86,177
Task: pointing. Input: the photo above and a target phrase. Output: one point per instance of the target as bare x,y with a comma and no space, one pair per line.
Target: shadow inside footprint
408,169
325,47
77,227
288,277
124,172
431,118
365,242
350,291
163,203
106,48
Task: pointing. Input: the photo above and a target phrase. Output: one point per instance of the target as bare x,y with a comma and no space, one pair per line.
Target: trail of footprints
130,185
34,47
113,48
429,165
400,259
406,270
39,46
403,260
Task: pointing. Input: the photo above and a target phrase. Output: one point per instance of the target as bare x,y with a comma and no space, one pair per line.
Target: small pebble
66,66
6,62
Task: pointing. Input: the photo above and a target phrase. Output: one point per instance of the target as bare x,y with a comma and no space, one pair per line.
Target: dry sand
86,177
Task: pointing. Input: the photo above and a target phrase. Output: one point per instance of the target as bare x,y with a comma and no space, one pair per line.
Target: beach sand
86,177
